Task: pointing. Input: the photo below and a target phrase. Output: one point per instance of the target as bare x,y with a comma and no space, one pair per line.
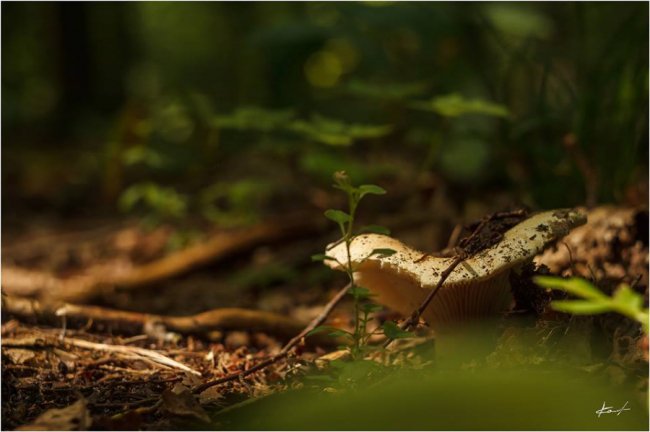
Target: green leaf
581,307
143,155
377,229
338,216
644,319
341,333
626,298
576,286
392,331
322,257
370,308
454,105
336,133
351,372
515,21
386,91
254,118
325,328
360,292
382,252
160,201
370,189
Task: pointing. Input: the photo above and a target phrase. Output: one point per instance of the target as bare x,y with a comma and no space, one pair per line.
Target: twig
587,170
152,355
635,281
135,352
571,264
285,349
415,316
125,405
461,255
138,410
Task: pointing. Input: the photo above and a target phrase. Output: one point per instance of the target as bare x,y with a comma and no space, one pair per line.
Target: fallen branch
104,279
129,351
285,349
135,323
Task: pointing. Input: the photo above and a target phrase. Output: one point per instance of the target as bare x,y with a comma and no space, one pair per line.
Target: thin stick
152,355
573,267
415,316
127,350
285,350
587,170
461,255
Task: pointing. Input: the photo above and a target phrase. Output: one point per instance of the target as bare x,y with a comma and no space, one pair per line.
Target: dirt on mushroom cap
518,244
477,287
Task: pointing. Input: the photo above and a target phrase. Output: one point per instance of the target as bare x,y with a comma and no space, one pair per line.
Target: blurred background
134,131
222,112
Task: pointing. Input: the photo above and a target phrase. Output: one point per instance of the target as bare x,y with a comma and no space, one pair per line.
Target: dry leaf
323,361
180,401
18,355
210,395
70,418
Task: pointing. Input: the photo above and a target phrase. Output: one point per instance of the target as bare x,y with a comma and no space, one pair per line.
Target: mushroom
478,287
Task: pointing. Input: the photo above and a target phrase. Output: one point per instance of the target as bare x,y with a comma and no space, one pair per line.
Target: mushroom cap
476,287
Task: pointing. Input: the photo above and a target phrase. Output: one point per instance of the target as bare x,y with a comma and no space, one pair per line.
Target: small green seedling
363,307
625,300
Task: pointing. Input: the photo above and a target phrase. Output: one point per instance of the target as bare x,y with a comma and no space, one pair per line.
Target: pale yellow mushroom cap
479,286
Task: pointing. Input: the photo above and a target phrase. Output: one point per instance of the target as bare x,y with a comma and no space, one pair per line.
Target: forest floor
109,328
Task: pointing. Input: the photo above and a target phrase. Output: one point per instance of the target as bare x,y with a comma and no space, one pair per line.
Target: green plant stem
352,202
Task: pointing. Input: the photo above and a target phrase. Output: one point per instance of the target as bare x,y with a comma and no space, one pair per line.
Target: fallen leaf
180,401
71,418
18,355
210,395
190,380
323,361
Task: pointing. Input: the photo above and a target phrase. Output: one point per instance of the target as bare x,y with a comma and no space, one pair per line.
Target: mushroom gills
461,302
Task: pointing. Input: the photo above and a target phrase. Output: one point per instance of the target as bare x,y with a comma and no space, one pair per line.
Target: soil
42,370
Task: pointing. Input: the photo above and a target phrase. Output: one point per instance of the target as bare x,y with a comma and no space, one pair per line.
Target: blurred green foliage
454,105
100,99
365,395
592,301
